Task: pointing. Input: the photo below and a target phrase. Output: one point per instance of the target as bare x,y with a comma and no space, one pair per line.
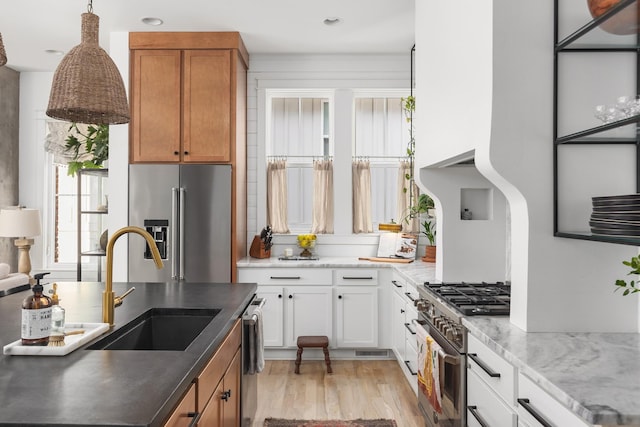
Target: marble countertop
111,387
596,375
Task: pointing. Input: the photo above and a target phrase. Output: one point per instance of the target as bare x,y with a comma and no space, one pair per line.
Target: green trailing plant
90,150
429,230
631,287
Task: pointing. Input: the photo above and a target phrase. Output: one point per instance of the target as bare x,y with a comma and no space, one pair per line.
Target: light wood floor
356,389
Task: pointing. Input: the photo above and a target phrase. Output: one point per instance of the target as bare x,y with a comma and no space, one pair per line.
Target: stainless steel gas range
443,344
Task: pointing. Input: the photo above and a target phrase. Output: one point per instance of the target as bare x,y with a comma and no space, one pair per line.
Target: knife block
257,249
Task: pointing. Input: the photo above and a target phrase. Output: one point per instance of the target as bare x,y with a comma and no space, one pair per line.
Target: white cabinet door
398,328
272,315
356,316
308,312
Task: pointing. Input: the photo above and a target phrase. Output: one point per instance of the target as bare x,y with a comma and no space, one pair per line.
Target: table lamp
24,224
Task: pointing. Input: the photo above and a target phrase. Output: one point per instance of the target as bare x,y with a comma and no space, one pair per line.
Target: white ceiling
29,27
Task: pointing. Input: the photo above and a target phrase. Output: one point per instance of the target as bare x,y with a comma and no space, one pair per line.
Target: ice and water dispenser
159,230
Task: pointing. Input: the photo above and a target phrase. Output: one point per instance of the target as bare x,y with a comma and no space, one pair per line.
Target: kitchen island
111,387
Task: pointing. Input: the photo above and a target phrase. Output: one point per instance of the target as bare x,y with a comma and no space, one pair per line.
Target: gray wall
9,107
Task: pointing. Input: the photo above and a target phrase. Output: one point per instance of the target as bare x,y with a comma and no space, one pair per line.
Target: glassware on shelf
625,107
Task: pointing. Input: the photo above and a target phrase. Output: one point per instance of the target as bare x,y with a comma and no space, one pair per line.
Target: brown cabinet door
213,411
231,413
155,106
206,132
185,411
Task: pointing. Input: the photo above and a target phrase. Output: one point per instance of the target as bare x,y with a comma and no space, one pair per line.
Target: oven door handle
451,360
488,370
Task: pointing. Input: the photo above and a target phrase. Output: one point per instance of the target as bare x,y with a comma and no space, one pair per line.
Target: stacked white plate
616,216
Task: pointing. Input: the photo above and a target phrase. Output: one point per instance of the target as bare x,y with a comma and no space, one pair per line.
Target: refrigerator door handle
182,233
174,233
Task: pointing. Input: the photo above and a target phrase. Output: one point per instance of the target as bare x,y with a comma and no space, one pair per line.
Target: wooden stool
313,341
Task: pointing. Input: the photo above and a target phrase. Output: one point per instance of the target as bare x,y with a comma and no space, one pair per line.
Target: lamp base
24,261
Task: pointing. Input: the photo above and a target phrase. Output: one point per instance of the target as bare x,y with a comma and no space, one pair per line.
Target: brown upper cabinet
184,97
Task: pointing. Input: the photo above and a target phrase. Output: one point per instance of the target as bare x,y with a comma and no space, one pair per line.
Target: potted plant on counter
429,230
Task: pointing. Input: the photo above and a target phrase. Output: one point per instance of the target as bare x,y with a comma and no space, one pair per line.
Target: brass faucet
109,300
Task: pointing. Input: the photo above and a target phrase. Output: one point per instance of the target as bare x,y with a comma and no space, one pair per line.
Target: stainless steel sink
169,329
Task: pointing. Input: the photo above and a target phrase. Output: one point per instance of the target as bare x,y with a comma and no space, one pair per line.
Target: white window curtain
277,196
322,197
361,178
404,199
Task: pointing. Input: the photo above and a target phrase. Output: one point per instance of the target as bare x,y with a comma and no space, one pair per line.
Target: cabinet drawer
539,402
286,276
356,276
215,369
483,403
499,374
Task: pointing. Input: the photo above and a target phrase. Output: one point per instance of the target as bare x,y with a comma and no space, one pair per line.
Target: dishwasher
252,349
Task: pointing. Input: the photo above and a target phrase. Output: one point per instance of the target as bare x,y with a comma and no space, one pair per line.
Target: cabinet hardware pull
226,395
357,277
410,297
196,418
488,370
402,310
406,325
290,296
176,153
474,411
186,153
339,296
411,371
526,404
279,295
284,277
395,283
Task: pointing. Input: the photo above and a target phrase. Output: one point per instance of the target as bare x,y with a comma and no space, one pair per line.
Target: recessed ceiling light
54,52
332,21
152,21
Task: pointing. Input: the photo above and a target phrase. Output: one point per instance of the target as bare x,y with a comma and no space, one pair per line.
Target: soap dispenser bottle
57,313
36,316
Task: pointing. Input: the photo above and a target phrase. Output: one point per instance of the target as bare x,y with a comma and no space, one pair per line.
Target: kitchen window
299,133
381,135
301,129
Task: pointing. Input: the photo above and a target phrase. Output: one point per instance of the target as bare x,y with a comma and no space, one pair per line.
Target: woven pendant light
87,87
3,53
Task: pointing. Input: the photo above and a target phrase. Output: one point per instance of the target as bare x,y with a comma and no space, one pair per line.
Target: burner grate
470,299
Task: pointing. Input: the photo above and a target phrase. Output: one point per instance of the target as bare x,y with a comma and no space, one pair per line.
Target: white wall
340,72
557,284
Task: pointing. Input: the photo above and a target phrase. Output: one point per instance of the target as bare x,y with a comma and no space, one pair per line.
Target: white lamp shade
19,223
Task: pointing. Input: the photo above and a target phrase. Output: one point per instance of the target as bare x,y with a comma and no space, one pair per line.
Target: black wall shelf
591,136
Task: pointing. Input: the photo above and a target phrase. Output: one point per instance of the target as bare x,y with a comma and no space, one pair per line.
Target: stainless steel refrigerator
187,210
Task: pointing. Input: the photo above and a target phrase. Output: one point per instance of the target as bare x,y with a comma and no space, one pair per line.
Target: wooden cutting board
379,259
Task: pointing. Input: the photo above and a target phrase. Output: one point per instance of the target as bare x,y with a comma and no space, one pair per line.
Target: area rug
279,422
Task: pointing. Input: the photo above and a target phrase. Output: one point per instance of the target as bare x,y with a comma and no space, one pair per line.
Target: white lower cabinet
403,330
273,315
500,395
356,316
538,409
484,407
308,312
342,304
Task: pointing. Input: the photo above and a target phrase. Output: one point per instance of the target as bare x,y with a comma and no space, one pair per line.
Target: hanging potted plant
90,148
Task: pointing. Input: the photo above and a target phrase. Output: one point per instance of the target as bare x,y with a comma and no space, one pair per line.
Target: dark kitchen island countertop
111,387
